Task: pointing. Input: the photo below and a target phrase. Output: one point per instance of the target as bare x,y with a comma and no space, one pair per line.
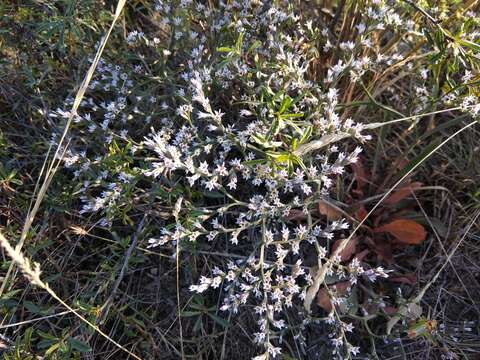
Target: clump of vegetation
234,173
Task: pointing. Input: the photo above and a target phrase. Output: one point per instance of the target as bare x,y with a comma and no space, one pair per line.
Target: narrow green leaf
219,320
287,101
419,158
52,348
79,345
224,49
190,313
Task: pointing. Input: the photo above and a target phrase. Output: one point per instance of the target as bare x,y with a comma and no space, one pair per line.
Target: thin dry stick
32,273
320,275
176,213
35,320
437,236
23,235
106,306
57,157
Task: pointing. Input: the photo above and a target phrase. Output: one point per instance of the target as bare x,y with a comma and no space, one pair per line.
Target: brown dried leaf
382,248
397,165
390,310
360,176
409,278
296,215
329,211
361,213
362,254
323,299
405,231
348,251
402,193
341,288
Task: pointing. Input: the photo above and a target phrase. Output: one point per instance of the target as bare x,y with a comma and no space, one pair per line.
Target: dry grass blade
176,213
32,273
106,306
333,138
35,320
57,158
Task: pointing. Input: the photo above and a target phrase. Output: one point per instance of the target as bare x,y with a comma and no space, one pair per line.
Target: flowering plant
244,122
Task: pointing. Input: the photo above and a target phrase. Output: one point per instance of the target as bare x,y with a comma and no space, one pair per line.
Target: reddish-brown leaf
295,215
397,165
402,193
382,248
390,310
378,219
360,176
370,308
329,211
409,278
348,251
362,254
361,213
323,299
341,288
404,231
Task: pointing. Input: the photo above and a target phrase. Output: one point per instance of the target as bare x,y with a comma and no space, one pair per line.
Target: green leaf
306,134
224,49
279,157
287,101
265,143
275,128
30,306
254,162
47,336
42,344
27,338
197,306
213,194
470,45
224,323
239,43
52,348
255,45
294,144
63,347
190,313
79,345
292,115
296,127
198,325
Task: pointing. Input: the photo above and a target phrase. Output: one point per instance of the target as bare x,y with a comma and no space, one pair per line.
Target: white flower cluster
243,124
